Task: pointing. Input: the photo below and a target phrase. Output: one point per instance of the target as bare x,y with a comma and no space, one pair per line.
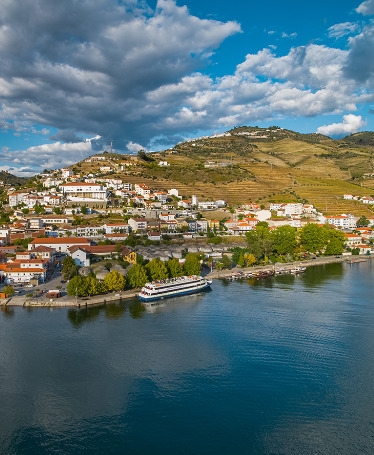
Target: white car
29,286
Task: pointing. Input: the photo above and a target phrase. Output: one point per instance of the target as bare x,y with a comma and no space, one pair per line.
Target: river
277,366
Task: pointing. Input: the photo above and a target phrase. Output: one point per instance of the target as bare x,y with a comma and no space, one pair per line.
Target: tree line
286,243
136,276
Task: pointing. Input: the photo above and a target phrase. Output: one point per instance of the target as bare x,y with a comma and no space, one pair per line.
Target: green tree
236,253
39,209
249,259
335,241
174,267
137,276
69,268
108,265
77,286
259,241
362,221
192,264
241,262
157,269
284,240
313,238
114,281
94,287
226,262
9,290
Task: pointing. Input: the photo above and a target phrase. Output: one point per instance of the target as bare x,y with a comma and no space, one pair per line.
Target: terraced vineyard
250,164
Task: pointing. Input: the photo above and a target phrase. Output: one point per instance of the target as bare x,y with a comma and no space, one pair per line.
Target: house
155,236
167,216
352,240
14,273
35,223
87,231
243,226
202,225
367,200
161,196
142,190
51,220
16,198
138,224
214,224
364,249
66,173
184,203
83,256
342,221
44,252
61,245
85,192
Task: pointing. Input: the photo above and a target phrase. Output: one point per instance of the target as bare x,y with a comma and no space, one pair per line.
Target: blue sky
76,74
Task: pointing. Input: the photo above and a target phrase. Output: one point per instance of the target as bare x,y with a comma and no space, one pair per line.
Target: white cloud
47,156
366,8
343,29
350,124
360,62
111,69
133,147
289,35
93,67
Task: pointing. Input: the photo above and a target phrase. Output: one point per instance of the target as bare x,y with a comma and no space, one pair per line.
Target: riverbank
287,265
70,301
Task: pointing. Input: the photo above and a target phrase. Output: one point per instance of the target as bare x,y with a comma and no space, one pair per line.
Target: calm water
278,366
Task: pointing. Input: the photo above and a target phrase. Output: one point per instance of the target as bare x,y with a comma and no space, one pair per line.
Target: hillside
250,164
12,180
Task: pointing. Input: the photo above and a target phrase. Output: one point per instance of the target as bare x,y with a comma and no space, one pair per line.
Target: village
93,219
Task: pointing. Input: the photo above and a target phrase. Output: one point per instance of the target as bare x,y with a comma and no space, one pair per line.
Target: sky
78,74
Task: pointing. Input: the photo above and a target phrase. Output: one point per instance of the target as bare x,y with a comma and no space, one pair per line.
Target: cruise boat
173,287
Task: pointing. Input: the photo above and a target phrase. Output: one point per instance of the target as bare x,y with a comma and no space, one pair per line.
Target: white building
61,245
142,190
66,173
113,228
85,192
342,221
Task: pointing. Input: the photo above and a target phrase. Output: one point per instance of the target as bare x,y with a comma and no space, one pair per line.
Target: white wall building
85,192
342,221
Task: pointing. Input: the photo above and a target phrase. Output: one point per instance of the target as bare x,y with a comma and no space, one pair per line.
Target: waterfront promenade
71,301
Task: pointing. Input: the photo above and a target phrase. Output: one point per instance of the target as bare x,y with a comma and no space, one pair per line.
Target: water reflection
8,312
114,310
136,310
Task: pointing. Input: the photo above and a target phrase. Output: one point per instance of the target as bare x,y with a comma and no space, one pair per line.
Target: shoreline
102,299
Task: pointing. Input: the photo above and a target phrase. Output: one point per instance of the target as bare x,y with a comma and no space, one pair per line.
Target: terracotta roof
23,269
61,241
43,249
81,184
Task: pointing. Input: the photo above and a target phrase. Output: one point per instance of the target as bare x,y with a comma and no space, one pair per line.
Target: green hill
250,164
12,180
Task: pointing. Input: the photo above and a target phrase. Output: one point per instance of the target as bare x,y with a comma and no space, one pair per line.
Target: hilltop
12,180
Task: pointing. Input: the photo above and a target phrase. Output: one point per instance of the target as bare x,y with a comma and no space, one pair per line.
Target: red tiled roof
61,241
